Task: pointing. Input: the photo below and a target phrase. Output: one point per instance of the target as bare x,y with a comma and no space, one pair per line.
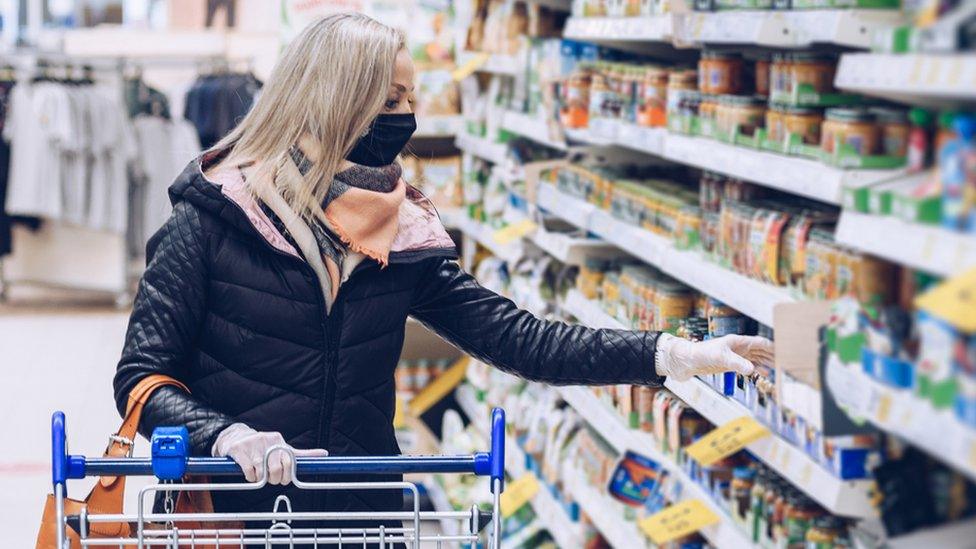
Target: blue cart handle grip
497,449
59,449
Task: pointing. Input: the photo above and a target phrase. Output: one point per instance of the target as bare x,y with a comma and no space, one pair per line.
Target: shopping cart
170,463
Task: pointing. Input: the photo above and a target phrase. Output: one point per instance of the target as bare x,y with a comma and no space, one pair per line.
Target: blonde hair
329,84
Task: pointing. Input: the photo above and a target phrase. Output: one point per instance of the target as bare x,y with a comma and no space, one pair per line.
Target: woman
279,288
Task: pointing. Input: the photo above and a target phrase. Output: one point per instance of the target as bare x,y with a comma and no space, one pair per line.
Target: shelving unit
657,28
841,497
751,297
921,79
901,413
485,235
436,126
786,29
481,147
550,512
534,128
927,247
588,312
606,513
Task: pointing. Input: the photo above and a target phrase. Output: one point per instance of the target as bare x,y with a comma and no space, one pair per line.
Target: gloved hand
681,359
247,447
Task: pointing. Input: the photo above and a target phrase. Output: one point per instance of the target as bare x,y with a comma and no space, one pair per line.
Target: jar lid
717,54
887,115
920,116
801,111
808,57
842,114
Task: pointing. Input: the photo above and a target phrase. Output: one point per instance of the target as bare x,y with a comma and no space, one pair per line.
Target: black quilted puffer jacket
245,327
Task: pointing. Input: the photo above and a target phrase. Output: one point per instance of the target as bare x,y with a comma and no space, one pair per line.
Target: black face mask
387,136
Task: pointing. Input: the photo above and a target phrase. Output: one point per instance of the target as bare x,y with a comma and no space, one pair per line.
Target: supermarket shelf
484,235
533,128
438,498
657,28
605,512
610,426
926,79
841,497
901,413
926,247
802,176
786,29
572,250
957,535
438,126
752,297
588,312
481,147
549,511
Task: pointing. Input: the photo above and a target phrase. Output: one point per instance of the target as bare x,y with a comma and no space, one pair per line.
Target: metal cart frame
280,533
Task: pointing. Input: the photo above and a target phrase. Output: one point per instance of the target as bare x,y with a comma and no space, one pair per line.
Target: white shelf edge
483,234
849,498
911,77
606,422
655,28
602,509
926,247
901,413
438,126
531,127
481,147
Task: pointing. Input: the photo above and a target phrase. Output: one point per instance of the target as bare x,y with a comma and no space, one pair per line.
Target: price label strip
678,521
514,231
726,440
518,493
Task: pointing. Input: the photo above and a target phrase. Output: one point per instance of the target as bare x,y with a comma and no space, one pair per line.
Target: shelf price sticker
470,66
726,440
514,231
678,521
518,493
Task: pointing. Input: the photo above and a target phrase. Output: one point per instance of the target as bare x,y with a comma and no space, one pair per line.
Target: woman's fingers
738,364
312,452
247,464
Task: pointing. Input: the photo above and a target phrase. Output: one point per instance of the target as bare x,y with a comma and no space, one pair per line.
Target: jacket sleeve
165,321
492,329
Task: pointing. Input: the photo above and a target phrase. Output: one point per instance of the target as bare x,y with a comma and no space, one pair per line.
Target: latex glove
247,447
681,359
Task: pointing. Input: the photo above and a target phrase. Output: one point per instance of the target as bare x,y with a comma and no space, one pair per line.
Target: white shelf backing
588,312
792,174
900,412
926,247
786,29
913,78
438,126
657,28
612,428
752,297
481,147
534,128
841,497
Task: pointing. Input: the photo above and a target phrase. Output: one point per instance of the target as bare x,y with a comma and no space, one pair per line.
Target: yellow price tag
518,493
470,66
514,231
678,521
884,408
726,440
954,301
438,389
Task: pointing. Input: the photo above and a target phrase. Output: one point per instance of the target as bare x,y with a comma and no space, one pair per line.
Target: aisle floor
52,361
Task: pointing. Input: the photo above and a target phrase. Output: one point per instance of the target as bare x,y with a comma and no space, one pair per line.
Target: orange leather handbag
108,493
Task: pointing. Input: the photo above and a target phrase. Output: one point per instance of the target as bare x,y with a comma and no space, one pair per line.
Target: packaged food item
798,517
894,130
635,479
762,66
576,99
805,122
745,114
825,532
855,128
652,108
779,77
720,73
775,127
810,73
919,139
957,172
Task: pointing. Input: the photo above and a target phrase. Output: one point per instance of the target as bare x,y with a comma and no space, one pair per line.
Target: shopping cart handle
492,463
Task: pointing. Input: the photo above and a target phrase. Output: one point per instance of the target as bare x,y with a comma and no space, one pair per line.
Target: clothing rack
66,257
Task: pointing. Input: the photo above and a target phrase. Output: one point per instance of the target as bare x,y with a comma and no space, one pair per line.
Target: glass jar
652,100
825,532
720,73
803,122
746,114
853,127
762,79
775,115
810,73
894,127
779,75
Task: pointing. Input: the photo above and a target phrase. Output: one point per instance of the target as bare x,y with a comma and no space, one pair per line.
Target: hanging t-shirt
112,147
75,154
38,125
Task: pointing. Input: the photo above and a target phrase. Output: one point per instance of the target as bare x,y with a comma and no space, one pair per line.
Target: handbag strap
107,495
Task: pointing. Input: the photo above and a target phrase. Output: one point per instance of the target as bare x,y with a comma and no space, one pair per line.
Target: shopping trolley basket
169,463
